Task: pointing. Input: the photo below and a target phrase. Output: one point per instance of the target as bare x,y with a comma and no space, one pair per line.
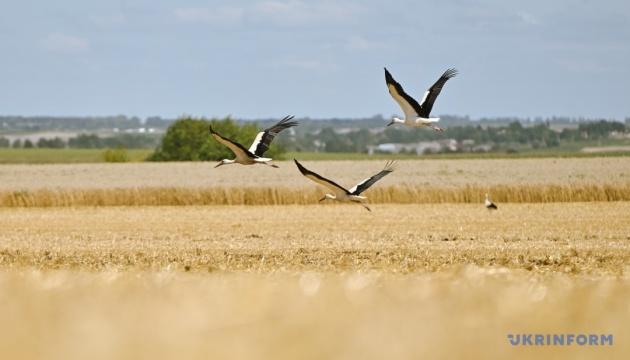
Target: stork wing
433,92
409,106
333,186
365,184
264,138
238,149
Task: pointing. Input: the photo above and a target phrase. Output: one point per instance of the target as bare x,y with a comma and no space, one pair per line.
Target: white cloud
281,13
309,64
362,44
62,43
528,18
109,20
296,11
220,15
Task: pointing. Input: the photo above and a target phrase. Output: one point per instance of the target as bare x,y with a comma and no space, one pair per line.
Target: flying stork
339,192
417,115
261,143
489,204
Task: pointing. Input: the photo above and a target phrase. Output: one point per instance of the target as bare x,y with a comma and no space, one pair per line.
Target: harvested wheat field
265,271
588,238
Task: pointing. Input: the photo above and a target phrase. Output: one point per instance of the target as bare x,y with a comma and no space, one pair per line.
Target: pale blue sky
256,59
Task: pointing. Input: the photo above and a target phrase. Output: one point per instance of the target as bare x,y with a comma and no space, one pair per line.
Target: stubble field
425,274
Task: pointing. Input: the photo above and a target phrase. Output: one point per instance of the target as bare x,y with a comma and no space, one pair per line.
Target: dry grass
263,195
430,181
579,238
460,314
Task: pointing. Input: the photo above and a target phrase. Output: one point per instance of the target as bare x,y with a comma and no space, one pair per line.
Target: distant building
419,148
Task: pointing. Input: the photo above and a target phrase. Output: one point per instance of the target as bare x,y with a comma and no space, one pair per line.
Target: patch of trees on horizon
189,139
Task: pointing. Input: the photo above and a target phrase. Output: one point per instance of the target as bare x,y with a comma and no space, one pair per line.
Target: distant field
62,156
74,156
427,173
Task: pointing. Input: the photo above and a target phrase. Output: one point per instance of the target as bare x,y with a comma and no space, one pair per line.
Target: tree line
188,138
540,135
87,141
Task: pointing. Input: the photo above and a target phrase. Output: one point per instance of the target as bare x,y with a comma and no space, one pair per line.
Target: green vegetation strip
64,156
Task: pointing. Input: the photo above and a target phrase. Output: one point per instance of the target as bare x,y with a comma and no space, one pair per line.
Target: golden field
577,238
249,265
429,173
414,181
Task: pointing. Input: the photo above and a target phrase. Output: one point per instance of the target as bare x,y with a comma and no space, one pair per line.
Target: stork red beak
322,199
219,164
391,123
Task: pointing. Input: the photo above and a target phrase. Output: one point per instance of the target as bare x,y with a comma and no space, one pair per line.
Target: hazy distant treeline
332,135
510,136
87,141
47,123
121,122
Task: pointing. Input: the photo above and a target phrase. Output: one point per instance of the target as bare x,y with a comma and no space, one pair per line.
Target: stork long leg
362,204
267,163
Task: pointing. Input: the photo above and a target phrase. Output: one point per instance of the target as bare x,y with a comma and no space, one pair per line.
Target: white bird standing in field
489,204
261,143
339,192
417,115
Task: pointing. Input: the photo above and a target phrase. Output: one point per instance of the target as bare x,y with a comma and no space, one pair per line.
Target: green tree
188,139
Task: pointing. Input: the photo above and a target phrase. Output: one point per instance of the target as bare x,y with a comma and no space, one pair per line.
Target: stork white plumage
261,143
417,114
489,204
339,192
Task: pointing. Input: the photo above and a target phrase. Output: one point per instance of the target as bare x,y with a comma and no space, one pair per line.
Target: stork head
224,162
395,120
327,196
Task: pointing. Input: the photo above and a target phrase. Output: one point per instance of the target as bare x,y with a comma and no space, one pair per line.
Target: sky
321,59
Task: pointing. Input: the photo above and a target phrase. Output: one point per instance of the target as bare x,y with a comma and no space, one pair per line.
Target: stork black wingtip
389,79
450,73
299,166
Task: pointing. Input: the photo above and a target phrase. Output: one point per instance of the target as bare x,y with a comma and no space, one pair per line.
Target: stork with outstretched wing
261,143
417,114
339,193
